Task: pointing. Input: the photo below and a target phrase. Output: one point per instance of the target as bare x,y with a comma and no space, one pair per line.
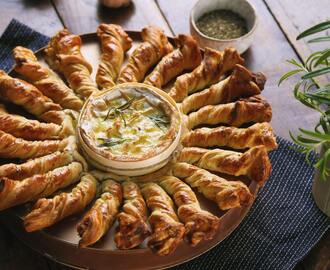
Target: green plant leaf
288,74
325,55
316,73
314,29
317,135
319,39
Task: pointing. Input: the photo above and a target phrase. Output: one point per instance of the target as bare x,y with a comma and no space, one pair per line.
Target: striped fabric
283,224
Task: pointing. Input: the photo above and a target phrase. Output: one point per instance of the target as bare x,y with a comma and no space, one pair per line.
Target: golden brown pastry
254,163
28,129
167,231
154,46
47,212
30,98
114,42
246,110
242,83
233,137
186,56
36,166
13,192
200,224
101,216
63,54
12,147
214,65
45,79
132,229
227,194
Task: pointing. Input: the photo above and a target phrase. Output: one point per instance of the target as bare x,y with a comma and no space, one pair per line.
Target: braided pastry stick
114,42
200,224
254,163
233,137
186,56
242,83
132,229
13,192
214,65
227,194
63,54
97,221
45,79
167,232
30,98
36,166
27,129
12,147
47,212
147,54
245,110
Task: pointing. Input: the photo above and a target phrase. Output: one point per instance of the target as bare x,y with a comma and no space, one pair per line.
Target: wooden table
279,23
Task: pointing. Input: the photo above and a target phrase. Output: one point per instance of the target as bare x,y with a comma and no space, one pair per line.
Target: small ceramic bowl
241,7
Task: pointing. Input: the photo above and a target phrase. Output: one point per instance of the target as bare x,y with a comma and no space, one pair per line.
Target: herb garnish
119,111
109,142
159,120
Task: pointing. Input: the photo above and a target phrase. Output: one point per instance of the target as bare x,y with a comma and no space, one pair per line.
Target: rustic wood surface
279,23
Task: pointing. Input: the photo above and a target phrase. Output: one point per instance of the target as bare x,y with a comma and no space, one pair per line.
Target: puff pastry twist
13,192
47,212
254,163
227,194
114,42
132,228
154,46
167,232
199,224
97,221
233,137
45,79
245,110
242,83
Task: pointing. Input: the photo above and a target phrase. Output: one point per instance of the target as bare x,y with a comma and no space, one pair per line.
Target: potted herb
315,94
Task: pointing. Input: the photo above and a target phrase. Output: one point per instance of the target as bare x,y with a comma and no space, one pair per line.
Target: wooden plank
39,15
83,16
295,16
267,54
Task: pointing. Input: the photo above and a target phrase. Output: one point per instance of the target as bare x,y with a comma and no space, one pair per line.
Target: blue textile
283,224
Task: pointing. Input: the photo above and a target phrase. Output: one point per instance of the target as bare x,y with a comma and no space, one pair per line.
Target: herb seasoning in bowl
223,23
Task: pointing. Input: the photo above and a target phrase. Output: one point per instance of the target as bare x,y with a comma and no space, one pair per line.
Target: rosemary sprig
159,121
315,96
109,142
119,111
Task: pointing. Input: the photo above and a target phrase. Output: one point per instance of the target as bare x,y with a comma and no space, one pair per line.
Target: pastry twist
13,192
45,79
227,194
97,221
114,42
214,65
186,56
167,232
27,129
200,224
233,137
12,147
63,54
242,83
30,98
132,229
247,110
36,166
254,163
154,46
47,212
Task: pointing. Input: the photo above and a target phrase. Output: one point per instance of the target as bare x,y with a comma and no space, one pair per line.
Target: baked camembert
130,122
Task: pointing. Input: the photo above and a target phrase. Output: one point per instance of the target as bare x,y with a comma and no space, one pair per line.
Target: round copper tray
59,242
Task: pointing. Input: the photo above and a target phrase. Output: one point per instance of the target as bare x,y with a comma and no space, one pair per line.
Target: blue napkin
284,222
